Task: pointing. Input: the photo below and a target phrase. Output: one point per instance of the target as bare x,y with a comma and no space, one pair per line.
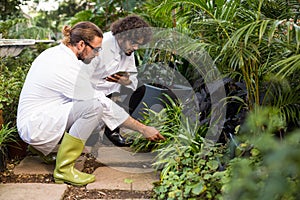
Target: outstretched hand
149,132
152,134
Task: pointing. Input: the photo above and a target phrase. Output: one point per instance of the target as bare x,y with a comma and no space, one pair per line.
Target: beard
125,48
87,60
128,53
84,59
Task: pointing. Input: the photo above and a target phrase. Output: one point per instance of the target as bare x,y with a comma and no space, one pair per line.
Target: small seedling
129,181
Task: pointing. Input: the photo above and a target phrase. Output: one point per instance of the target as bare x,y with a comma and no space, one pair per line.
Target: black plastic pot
153,96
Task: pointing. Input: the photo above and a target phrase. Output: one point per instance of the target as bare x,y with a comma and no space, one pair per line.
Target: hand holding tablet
121,73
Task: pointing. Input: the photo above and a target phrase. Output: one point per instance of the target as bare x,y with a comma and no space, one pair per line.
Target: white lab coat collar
112,44
68,51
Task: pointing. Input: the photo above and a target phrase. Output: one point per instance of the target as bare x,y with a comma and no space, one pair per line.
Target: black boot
116,138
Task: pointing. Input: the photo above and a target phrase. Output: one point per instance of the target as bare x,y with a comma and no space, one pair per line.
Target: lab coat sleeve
134,82
113,115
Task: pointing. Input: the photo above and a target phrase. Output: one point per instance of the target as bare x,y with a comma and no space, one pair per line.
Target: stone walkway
121,165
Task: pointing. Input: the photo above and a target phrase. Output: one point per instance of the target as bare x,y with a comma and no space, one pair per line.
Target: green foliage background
254,42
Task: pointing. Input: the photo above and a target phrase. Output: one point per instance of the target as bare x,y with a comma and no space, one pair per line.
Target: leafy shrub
271,169
11,85
191,173
264,166
13,72
189,163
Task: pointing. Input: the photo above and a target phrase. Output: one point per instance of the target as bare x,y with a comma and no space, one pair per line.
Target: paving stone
34,165
32,191
121,164
123,156
114,178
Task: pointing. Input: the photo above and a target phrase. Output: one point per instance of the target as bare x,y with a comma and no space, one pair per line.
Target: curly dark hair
133,28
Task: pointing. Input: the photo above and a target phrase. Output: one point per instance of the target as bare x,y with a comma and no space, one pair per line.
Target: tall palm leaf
248,39
281,95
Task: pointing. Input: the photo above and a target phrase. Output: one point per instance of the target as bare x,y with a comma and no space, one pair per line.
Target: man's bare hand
148,132
121,79
152,134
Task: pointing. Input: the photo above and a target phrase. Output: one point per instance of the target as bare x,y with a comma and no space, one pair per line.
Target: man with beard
115,66
58,101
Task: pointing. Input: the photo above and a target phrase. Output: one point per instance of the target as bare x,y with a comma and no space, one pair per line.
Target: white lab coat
55,80
109,61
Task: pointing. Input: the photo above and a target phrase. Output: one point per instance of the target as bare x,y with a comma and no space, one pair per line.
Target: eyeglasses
134,43
95,49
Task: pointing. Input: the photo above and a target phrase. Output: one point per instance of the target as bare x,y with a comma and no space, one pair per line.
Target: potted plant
7,135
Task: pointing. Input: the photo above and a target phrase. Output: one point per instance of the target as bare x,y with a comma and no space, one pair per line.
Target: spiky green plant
167,121
7,134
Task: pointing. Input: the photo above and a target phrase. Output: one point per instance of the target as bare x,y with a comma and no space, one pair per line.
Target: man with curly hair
115,66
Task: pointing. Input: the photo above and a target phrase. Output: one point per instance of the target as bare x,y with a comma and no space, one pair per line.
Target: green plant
13,71
247,39
280,95
10,9
189,164
20,28
129,181
11,83
7,134
167,121
104,13
270,169
6,25
190,171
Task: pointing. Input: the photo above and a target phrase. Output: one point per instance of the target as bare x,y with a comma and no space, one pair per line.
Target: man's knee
90,108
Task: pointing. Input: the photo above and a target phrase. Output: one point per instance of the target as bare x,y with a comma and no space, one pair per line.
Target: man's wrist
128,82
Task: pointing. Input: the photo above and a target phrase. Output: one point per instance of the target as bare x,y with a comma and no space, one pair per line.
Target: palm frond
280,95
287,66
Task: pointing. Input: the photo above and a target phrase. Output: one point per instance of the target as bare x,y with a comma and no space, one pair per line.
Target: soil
72,192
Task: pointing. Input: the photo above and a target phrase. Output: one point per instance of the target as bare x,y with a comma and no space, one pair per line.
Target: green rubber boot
49,159
70,149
